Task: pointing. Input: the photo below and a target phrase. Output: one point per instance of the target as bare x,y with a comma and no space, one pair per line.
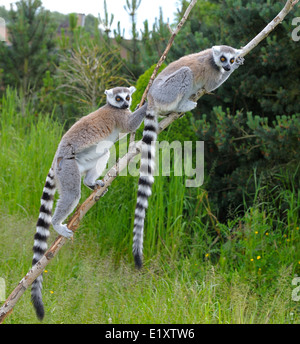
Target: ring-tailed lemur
170,92
83,150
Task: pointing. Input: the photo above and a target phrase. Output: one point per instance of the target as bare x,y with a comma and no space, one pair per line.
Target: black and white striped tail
144,185
40,240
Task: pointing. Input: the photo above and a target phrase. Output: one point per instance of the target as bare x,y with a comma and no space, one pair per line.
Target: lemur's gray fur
83,151
171,92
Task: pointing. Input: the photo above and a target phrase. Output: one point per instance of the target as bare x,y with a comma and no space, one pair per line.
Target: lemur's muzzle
227,68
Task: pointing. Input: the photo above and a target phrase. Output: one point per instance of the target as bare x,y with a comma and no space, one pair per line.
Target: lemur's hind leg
92,175
175,90
69,186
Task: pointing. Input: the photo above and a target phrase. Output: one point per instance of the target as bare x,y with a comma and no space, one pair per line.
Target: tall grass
81,285
27,145
197,270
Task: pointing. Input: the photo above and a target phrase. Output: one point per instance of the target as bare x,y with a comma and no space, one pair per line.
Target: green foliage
87,66
31,53
82,287
4,13
28,142
200,30
142,83
106,22
269,83
237,145
154,41
88,72
91,24
134,47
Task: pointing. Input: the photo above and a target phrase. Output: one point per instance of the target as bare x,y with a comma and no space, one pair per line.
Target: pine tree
29,56
106,22
155,41
131,8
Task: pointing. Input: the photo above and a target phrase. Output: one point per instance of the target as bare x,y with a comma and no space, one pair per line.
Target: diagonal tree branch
74,222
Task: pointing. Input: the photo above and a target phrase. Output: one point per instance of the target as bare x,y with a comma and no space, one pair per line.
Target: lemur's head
120,97
224,56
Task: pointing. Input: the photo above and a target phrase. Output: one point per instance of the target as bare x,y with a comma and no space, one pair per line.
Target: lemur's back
204,70
92,128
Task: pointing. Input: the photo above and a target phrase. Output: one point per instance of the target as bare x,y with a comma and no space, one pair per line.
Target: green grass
197,270
27,145
83,286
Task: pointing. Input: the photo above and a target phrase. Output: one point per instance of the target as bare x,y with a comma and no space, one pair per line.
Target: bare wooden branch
74,222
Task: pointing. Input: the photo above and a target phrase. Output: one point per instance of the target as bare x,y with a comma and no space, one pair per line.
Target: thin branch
74,222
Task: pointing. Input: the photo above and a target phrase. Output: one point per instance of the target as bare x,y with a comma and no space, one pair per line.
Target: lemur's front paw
138,106
240,60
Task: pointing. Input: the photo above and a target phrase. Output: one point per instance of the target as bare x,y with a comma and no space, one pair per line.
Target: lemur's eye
232,60
118,99
128,98
223,59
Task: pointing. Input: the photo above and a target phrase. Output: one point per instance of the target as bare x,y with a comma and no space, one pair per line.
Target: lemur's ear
132,89
108,92
216,49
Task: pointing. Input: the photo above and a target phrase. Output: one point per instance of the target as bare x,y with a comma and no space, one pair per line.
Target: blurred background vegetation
245,218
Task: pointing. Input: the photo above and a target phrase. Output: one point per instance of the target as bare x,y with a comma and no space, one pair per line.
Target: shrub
241,151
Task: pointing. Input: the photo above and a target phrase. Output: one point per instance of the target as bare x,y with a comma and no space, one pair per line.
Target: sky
149,9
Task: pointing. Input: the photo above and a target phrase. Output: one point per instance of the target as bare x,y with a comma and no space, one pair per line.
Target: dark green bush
245,152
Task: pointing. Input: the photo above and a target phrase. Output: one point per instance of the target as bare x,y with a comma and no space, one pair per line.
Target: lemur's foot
64,231
99,183
188,105
94,185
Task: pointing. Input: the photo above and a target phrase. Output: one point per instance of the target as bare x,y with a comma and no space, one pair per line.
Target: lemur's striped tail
40,240
145,183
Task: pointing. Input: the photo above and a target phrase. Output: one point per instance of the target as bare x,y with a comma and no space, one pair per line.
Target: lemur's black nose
125,106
